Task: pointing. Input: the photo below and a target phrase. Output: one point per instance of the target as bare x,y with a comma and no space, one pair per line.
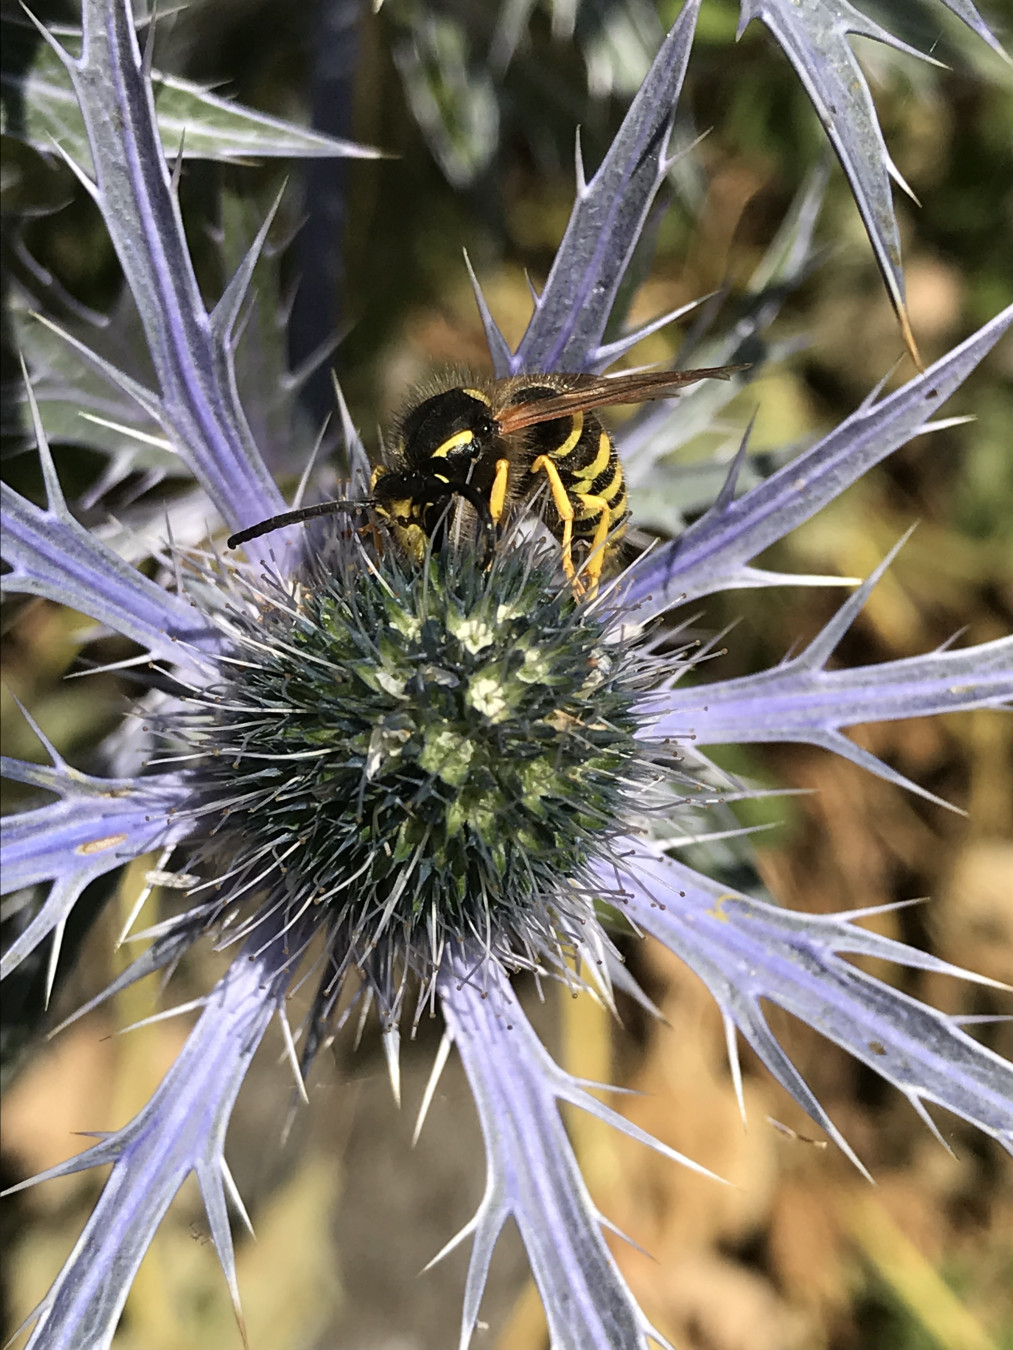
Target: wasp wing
593,391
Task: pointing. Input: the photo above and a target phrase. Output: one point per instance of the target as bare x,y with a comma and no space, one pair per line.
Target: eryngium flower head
413,756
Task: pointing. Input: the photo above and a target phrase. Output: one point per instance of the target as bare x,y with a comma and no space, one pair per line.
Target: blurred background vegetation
802,1254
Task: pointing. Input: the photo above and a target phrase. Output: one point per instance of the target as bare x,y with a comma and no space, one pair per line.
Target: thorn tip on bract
392,1051
909,338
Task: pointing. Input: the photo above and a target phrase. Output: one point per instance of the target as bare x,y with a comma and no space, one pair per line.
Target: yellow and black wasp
494,444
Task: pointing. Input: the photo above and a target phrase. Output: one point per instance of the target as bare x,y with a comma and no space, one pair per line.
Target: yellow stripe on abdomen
614,484
572,441
600,463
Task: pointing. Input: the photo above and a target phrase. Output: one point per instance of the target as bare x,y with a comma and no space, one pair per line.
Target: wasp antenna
293,518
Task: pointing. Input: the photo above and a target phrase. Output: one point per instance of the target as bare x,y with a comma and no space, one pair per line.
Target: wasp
495,444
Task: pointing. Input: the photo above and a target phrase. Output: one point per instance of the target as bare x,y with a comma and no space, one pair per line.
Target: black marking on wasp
494,444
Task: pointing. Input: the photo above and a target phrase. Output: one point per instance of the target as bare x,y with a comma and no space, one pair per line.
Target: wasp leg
497,497
596,557
564,509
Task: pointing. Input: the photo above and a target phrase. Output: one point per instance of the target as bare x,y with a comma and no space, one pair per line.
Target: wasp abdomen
588,466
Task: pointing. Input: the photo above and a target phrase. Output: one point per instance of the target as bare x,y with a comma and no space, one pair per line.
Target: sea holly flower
407,781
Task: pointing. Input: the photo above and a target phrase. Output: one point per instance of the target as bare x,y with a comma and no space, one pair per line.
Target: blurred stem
912,1278
991,805
586,1028
316,309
